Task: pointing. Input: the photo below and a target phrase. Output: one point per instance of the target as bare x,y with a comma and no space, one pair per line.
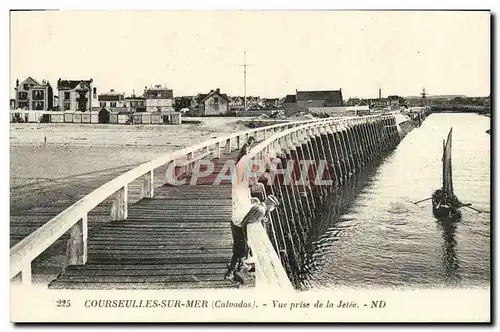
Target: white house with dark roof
159,99
32,95
76,95
111,99
213,103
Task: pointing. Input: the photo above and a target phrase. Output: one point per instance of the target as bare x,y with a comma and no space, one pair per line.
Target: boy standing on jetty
258,213
246,148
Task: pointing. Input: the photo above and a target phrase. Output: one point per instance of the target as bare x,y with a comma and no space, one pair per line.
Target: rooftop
71,84
203,96
289,99
158,92
328,95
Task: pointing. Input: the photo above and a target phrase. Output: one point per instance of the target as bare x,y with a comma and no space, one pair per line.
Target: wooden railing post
169,171
227,148
147,189
238,144
78,242
216,153
26,273
189,167
119,211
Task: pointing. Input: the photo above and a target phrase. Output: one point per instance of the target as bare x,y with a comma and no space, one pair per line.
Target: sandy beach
45,179
74,152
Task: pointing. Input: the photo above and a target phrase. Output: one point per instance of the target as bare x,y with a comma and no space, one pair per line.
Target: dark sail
447,173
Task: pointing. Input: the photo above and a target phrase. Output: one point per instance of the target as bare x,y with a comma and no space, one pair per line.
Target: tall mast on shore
424,97
245,65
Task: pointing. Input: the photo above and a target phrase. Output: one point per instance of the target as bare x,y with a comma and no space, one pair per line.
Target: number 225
63,303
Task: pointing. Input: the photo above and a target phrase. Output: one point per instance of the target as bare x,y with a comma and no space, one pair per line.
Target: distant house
270,102
236,103
213,103
377,103
111,100
254,102
159,99
395,102
330,98
32,95
182,102
75,95
135,104
289,103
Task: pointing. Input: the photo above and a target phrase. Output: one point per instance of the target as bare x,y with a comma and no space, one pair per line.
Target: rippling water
372,235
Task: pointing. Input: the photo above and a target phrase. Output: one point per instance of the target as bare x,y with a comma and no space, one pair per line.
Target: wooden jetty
179,238
156,234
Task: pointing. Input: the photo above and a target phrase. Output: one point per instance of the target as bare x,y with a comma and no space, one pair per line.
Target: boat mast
443,159
447,167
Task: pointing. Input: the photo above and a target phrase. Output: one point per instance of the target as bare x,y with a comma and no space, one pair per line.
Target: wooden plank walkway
180,238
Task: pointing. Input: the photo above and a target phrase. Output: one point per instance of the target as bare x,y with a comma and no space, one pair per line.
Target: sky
196,51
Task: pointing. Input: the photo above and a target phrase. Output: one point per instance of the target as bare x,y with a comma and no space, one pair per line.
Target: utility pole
424,97
245,65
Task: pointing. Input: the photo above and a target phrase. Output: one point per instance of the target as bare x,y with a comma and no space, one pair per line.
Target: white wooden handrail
24,252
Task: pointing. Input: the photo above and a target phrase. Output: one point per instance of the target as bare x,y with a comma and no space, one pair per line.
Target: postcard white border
256,4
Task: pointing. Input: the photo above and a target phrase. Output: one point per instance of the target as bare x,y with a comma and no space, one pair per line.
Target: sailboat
444,203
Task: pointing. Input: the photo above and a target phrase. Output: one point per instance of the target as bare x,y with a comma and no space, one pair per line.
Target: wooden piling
318,157
335,155
329,158
347,156
351,148
341,155
359,140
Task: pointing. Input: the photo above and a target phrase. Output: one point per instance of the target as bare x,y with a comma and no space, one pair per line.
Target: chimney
379,93
112,90
217,90
17,82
